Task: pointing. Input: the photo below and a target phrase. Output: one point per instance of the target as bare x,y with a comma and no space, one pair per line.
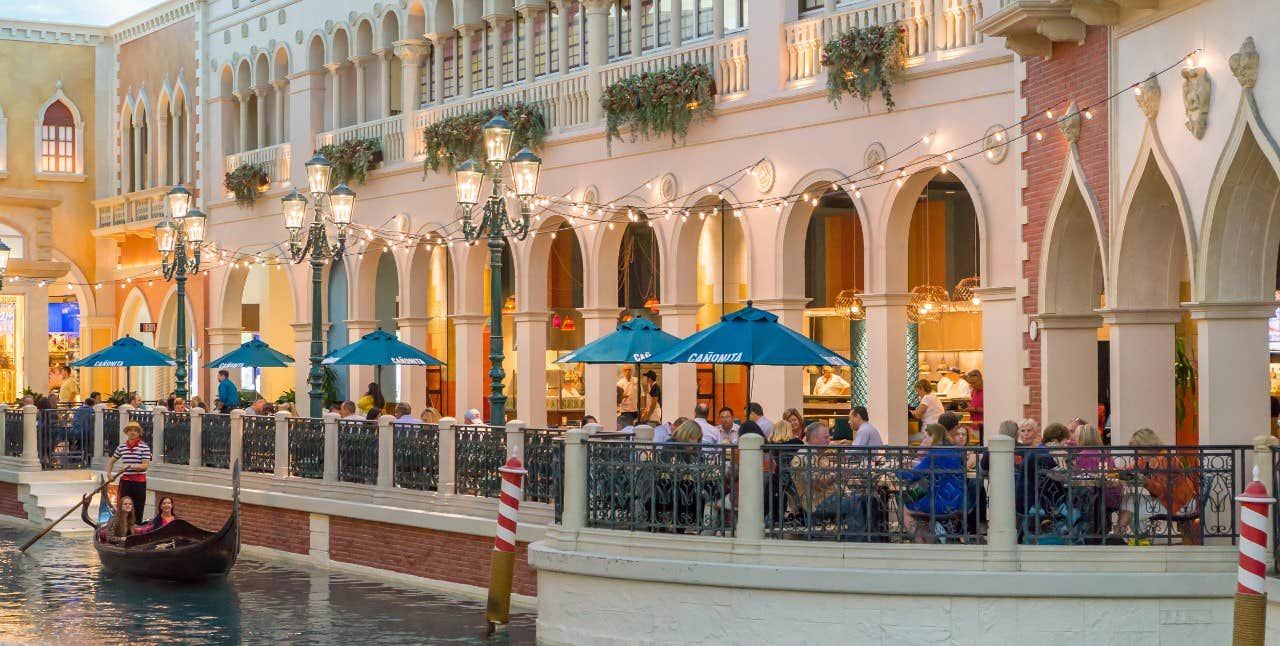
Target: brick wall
281,529
1079,73
9,504
443,556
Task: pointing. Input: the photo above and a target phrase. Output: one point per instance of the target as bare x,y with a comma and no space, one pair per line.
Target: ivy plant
453,140
651,104
863,61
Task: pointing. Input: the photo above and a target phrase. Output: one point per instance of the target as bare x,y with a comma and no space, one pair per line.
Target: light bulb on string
1039,135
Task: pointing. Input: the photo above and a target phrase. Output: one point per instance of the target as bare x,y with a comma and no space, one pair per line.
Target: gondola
178,551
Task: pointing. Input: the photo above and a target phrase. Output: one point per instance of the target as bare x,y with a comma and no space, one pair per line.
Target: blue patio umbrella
251,354
379,348
633,342
126,352
751,337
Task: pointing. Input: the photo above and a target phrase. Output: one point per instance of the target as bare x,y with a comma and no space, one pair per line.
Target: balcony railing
389,131
275,158
138,206
935,25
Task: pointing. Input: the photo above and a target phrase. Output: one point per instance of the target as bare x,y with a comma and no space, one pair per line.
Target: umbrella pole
744,415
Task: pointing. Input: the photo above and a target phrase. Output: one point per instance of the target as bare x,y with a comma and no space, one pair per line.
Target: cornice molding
42,32
152,19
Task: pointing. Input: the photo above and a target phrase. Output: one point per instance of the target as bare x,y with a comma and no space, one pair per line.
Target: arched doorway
337,334
166,342
386,308
133,314
258,301
566,385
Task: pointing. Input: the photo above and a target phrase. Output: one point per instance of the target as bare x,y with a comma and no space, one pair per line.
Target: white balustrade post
98,420
1001,515
330,447
30,439
236,448
593,429
386,455
282,445
750,488
126,414
448,474
574,514
515,440
157,435
335,95
196,442
1263,462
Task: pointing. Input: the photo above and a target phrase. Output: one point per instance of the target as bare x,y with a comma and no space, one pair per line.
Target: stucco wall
147,66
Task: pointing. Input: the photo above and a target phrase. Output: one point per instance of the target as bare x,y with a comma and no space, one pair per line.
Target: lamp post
178,238
338,205
496,226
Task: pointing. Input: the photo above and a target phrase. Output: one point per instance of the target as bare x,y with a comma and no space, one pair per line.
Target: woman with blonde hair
789,429
687,433
1164,484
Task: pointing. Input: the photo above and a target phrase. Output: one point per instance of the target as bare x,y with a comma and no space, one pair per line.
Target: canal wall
9,503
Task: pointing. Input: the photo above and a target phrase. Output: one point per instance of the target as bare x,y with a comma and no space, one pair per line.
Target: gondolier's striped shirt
132,457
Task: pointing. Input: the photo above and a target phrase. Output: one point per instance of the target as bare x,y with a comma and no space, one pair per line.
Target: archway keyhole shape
1242,243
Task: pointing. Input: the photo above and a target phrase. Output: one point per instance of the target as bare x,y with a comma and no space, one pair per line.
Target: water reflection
58,593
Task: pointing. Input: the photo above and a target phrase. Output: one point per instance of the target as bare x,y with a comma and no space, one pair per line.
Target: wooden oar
85,501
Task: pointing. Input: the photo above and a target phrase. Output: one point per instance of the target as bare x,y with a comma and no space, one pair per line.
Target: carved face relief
1195,98
1244,64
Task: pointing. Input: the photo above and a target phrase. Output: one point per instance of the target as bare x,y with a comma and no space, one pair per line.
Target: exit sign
146,327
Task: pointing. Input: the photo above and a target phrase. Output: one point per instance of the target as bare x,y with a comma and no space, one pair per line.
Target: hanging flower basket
651,104
246,181
862,61
353,159
453,140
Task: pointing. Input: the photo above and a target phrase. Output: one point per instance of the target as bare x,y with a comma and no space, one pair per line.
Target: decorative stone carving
297,37
667,187
244,30
262,23
1195,98
226,37
1147,94
328,27
351,17
591,194
1244,64
874,156
1070,123
996,144
765,175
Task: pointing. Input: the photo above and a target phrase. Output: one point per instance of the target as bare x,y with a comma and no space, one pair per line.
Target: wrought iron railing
64,438
215,440
177,437
642,486
259,447
478,452
543,449
416,456
358,451
306,447
110,431
145,419
13,432
881,494
1128,495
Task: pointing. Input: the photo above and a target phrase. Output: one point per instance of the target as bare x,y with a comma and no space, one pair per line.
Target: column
599,380
1233,371
562,40
139,171
384,82
531,363
302,361
1142,391
597,54
411,54
361,376
36,338
176,138
887,363
1002,355
1068,368
498,21
437,66
335,97
766,62
680,380
413,330
780,387
221,136
637,27
95,334
359,63
717,19
261,93
221,341
279,86
471,367
467,32
677,31
162,149
306,117
530,58
242,140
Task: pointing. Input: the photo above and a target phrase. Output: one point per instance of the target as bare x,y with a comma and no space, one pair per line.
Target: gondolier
135,455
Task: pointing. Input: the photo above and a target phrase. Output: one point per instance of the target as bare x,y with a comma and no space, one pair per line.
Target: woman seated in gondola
163,517
121,526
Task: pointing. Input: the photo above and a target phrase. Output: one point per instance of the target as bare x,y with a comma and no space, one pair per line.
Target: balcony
388,130
932,28
135,212
274,158
1031,27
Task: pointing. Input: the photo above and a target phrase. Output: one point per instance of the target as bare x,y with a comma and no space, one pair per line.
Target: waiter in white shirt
628,405
830,384
953,385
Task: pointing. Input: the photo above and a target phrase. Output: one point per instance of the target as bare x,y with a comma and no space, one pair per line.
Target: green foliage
246,181
651,104
862,61
248,396
1184,378
352,160
453,140
329,385
287,397
118,398
28,392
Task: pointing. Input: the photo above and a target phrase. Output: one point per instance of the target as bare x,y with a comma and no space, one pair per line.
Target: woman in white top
930,409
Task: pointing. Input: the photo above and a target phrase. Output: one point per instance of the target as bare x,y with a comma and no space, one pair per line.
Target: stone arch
415,23
889,239
271,288
244,79
166,340
261,69
226,81
340,48
364,36
135,310
1153,245
685,236
389,32
793,228
469,261
364,273
316,54
600,287
468,12
1241,232
532,280
1072,268
280,63
441,17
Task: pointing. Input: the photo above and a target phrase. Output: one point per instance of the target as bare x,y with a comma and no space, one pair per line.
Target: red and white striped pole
1251,576
502,564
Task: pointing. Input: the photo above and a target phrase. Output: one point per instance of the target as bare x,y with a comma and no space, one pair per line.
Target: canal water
59,594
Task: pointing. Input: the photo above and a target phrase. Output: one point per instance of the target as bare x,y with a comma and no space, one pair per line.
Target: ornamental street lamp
337,205
178,238
496,225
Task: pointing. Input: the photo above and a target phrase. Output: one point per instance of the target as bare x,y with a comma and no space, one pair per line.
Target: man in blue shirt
227,391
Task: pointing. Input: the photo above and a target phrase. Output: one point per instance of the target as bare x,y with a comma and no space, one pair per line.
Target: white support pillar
386,452
280,137
1142,389
597,54
717,19
302,362
1068,368
98,430
361,376
1002,355
335,97
30,439
574,514
359,63
680,380
330,473
887,363
437,66
469,370
750,525
531,372
447,478
413,330
236,444
162,148
637,27
282,445
139,169
157,435
530,57
384,82
260,93
562,40
221,341
1233,371
599,380
777,387
196,441
495,65
306,117
411,54
677,28
177,141
467,32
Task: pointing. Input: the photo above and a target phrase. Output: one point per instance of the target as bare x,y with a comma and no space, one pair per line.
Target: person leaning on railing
1165,485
